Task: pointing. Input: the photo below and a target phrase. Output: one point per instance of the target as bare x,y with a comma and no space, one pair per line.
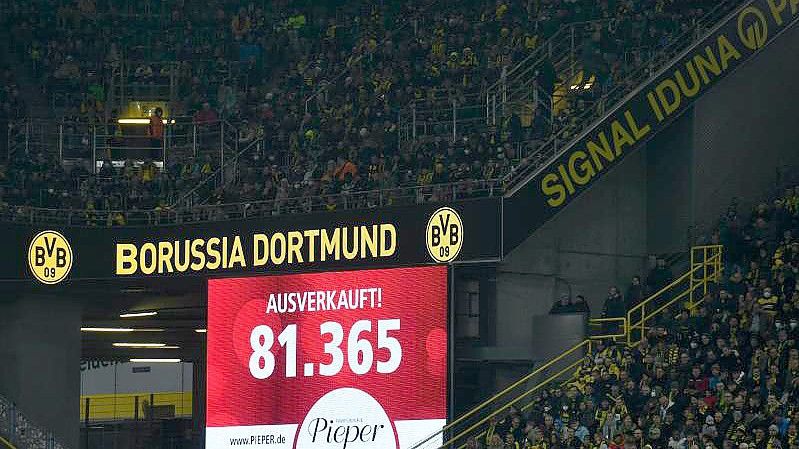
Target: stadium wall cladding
398,236
645,112
474,230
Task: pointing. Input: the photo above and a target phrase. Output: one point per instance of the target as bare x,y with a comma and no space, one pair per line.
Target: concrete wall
40,349
599,240
199,388
669,186
729,145
745,128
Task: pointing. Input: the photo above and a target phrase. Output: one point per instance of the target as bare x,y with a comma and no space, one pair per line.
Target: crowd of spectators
440,52
723,375
12,105
39,179
357,63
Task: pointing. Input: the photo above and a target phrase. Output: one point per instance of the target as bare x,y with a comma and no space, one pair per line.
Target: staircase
552,83
519,90
33,136
226,174
18,432
548,78
685,293
551,173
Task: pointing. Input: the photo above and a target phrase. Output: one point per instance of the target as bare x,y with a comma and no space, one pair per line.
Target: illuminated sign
663,98
341,240
354,359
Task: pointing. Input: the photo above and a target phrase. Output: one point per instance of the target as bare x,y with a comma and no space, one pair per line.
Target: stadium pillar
40,361
198,401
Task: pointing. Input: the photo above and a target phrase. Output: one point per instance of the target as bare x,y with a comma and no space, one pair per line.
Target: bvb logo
50,257
444,235
753,34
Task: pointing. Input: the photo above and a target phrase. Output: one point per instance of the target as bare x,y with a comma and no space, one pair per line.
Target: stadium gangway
455,115
518,83
19,432
71,141
368,199
229,170
687,292
533,156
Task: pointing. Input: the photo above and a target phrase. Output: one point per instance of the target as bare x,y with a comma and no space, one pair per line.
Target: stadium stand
353,105
316,96
17,430
719,373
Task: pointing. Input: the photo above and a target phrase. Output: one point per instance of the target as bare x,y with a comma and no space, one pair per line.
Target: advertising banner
349,360
465,231
645,112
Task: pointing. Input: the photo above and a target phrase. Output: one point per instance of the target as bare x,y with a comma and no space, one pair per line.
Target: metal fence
535,155
20,432
75,140
162,434
255,209
188,139
132,406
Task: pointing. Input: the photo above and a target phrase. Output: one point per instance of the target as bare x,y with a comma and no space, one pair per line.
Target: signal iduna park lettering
335,360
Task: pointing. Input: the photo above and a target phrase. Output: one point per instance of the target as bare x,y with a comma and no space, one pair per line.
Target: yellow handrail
7,443
708,267
642,306
544,383
601,321
711,257
530,391
500,394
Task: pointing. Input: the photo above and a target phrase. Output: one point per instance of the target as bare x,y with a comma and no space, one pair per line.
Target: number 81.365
360,355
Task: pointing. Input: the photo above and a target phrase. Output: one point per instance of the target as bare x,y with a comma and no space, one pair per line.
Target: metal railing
25,136
534,157
227,173
606,325
456,114
135,406
138,434
469,424
19,432
706,266
71,140
369,199
518,87
562,50
530,156
453,116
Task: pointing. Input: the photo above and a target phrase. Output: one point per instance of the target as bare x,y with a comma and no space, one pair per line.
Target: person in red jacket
156,127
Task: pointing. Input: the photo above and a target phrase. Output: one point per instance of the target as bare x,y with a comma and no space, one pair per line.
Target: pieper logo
753,31
50,257
346,418
444,235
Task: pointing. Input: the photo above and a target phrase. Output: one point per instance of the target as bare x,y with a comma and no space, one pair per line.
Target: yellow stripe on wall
110,407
